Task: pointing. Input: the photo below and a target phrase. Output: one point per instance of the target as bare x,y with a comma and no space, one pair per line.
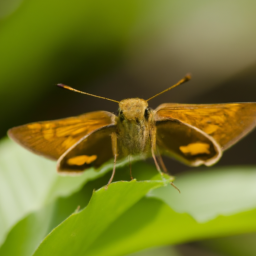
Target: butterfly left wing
226,123
223,124
186,143
52,138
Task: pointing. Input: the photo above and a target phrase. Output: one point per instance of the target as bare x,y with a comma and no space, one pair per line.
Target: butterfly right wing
52,138
92,150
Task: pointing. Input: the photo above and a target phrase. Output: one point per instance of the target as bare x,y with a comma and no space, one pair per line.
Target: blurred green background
123,49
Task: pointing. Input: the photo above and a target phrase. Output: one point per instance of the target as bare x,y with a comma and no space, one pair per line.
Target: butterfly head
133,109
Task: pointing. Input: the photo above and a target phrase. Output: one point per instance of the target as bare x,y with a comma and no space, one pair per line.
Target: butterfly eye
146,114
121,114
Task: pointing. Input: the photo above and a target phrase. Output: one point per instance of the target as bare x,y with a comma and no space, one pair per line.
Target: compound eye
121,115
146,113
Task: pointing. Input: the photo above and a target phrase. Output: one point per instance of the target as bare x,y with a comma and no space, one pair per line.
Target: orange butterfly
193,134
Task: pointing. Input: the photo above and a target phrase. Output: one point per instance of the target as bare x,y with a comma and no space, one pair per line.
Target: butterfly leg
175,187
156,163
113,172
114,148
160,159
153,149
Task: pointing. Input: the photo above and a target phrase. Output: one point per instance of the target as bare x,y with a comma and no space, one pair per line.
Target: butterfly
194,134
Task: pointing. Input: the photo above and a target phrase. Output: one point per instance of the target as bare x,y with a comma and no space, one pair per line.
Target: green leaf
31,230
82,229
29,182
119,220
152,223
103,229
34,228
208,194
29,185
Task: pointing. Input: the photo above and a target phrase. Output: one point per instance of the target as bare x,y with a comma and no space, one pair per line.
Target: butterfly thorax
134,122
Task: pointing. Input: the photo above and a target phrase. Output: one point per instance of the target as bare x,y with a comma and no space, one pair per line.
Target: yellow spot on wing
70,141
49,125
48,134
34,126
209,129
195,148
62,131
80,130
80,160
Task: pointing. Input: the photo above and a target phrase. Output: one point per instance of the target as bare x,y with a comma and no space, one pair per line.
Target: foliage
127,217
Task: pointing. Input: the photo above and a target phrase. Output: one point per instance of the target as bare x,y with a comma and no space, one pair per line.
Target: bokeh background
124,49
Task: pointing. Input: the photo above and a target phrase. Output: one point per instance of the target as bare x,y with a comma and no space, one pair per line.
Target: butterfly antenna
74,90
182,81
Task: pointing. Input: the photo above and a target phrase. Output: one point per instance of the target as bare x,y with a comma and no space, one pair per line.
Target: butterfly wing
186,143
226,123
223,123
91,151
52,138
